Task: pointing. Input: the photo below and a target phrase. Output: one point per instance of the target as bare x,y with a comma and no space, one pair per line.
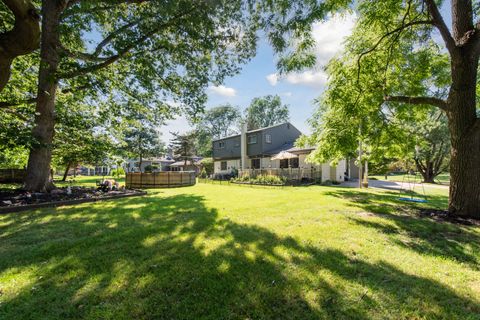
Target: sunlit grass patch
230,252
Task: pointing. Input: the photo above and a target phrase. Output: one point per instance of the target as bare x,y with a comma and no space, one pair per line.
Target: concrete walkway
393,185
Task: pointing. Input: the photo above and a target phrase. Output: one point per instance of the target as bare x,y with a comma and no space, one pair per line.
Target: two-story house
253,150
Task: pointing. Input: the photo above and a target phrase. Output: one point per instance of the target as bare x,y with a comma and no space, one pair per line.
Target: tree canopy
395,68
265,112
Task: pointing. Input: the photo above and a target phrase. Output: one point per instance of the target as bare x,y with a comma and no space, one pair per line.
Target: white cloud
179,124
223,91
286,94
309,78
272,79
329,37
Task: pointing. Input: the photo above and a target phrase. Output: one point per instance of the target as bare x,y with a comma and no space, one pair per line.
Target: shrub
262,179
203,174
222,176
117,172
151,168
207,164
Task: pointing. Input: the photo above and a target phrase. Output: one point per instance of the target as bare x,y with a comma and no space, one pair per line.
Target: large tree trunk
464,129
38,178
22,39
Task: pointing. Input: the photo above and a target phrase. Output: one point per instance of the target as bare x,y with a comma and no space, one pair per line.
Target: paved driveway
392,185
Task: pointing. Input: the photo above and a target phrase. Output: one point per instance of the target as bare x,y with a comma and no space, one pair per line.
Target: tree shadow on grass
174,258
408,229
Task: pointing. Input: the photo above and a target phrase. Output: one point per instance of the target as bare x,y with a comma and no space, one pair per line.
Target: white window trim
252,136
268,138
226,165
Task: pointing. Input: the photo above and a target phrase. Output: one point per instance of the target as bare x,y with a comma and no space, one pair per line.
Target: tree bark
66,172
38,168
464,129
426,170
22,39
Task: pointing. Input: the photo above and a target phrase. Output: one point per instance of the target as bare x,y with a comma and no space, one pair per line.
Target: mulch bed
16,200
443,215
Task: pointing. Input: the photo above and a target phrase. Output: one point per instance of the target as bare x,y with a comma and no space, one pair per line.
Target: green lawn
235,252
85,181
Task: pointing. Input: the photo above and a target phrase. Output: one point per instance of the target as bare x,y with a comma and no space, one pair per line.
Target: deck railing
291,174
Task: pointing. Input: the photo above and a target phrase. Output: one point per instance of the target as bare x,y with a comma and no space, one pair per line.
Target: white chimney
243,146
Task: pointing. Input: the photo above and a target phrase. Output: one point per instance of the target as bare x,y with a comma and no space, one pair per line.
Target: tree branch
442,104
109,60
8,104
109,5
439,23
375,46
22,39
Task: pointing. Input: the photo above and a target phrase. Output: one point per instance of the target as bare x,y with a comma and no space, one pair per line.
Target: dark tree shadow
410,230
174,258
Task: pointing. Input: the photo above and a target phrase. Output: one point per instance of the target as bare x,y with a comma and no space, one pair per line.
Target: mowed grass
82,181
443,178
233,252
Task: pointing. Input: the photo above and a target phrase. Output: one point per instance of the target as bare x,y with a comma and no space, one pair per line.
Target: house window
294,162
223,165
268,138
252,139
255,163
283,163
221,145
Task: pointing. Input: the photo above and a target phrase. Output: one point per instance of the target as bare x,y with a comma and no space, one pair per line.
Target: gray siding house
259,146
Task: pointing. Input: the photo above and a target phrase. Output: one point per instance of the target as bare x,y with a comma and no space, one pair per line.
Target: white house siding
302,163
231,164
328,172
325,172
268,163
341,168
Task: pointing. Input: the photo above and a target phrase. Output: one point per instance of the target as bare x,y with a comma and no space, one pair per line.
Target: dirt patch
443,215
19,200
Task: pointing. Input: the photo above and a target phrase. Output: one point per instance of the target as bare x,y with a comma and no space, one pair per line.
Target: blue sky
258,78
298,90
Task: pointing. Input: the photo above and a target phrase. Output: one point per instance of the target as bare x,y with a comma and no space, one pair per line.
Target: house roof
285,147
256,130
156,159
182,163
306,149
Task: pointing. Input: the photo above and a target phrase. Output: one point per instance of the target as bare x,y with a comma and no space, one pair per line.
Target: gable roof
257,130
284,147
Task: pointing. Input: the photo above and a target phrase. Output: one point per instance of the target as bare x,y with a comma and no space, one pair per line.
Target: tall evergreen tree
183,146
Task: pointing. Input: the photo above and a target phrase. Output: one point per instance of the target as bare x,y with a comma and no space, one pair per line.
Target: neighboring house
258,147
162,163
189,165
90,171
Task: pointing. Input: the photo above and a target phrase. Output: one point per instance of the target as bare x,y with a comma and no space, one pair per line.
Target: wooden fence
12,175
163,179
